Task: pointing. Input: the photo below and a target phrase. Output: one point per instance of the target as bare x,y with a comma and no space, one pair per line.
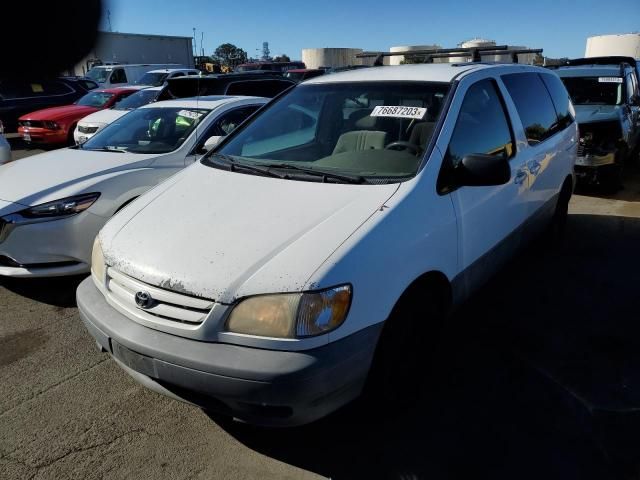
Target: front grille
30,123
83,129
166,308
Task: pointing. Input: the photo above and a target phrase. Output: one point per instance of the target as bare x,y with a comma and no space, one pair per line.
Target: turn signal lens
323,311
97,262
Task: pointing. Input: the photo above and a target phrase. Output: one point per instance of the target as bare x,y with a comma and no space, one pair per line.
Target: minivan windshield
148,130
594,90
371,130
154,79
135,100
99,75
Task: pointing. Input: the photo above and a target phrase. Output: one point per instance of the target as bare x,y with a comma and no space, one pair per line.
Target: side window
226,124
118,76
560,98
258,88
54,87
482,126
177,74
630,86
88,84
533,104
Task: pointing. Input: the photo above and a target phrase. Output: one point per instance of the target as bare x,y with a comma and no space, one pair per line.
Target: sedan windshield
154,79
95,99
138,99
594,90
364,130
147,130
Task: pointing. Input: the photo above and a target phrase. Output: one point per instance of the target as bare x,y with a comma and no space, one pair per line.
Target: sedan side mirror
479,170
212,142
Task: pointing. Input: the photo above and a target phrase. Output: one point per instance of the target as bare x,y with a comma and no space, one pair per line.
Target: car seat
360,140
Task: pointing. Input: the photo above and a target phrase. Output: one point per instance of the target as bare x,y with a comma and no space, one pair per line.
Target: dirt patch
19,345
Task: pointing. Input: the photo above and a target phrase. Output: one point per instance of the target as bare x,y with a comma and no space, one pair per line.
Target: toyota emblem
144,300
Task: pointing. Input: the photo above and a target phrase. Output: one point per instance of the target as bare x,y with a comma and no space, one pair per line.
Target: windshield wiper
320,173
235,165
105,149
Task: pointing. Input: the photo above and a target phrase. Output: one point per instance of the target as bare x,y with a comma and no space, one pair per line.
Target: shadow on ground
59,292
537,376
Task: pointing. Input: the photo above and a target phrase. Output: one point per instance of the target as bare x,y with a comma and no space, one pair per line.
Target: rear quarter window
534,105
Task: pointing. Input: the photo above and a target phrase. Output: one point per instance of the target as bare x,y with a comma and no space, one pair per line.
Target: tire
70,140
405,349
556,230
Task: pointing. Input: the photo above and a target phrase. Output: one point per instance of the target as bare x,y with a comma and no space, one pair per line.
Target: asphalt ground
537,376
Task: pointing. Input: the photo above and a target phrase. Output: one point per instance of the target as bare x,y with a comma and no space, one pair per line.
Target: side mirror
479,170
212,142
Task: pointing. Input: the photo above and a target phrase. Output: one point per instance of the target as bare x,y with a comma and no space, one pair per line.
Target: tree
282,58
229,55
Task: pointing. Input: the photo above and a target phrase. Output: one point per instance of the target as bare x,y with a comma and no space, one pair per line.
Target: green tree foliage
229,55
282,58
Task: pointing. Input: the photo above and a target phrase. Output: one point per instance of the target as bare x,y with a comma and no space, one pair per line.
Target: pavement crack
82,449
55,385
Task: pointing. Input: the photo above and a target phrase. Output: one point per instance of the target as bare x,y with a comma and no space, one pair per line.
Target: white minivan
108,76
320,245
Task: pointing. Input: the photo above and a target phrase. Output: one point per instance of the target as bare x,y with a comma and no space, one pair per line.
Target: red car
55,126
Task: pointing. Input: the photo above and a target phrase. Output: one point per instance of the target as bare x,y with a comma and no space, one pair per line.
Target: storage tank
624,44
398,59
330,57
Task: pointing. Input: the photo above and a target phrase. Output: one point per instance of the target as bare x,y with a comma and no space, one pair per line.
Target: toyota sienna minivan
317,248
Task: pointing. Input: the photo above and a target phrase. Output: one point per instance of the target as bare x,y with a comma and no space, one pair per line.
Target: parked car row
245,253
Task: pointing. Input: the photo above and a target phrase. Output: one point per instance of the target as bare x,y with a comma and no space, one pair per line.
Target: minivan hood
596,113
103,116
223,235
61,173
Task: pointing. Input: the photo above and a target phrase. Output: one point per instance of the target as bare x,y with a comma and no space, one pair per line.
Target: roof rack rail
474,52
611,60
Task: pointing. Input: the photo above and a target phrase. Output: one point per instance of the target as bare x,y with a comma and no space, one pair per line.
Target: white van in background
120,75
156,78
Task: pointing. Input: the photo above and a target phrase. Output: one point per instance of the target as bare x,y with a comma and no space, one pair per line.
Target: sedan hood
61,173
59,113
103,117
596,113
222,235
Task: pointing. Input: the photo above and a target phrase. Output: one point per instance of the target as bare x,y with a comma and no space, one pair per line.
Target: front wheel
405,347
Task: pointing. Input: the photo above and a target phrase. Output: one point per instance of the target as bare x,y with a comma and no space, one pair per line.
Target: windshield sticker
399,112
609,79
36,88
190,114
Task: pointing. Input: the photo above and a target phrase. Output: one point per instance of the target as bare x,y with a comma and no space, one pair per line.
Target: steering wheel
403,145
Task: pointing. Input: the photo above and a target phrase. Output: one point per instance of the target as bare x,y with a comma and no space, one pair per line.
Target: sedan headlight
61,208
291,315
49,125
97,261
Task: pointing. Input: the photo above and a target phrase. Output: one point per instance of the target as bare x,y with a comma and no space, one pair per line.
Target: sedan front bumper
265,387
51,248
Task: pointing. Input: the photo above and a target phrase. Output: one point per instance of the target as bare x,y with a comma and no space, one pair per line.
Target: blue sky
561,27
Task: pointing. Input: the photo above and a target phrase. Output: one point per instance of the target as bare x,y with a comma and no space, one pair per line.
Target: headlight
61,208
291,315
50,125
97,261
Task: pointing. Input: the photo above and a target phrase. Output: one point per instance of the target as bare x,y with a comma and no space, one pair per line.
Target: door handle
520,177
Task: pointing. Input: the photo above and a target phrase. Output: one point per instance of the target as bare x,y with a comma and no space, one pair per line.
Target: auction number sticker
399,112
190,114
609,79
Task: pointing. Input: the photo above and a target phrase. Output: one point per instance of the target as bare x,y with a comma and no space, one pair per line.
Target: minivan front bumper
264,387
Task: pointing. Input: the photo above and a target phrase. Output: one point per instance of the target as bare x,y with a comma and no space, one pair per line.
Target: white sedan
52,205
92,124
